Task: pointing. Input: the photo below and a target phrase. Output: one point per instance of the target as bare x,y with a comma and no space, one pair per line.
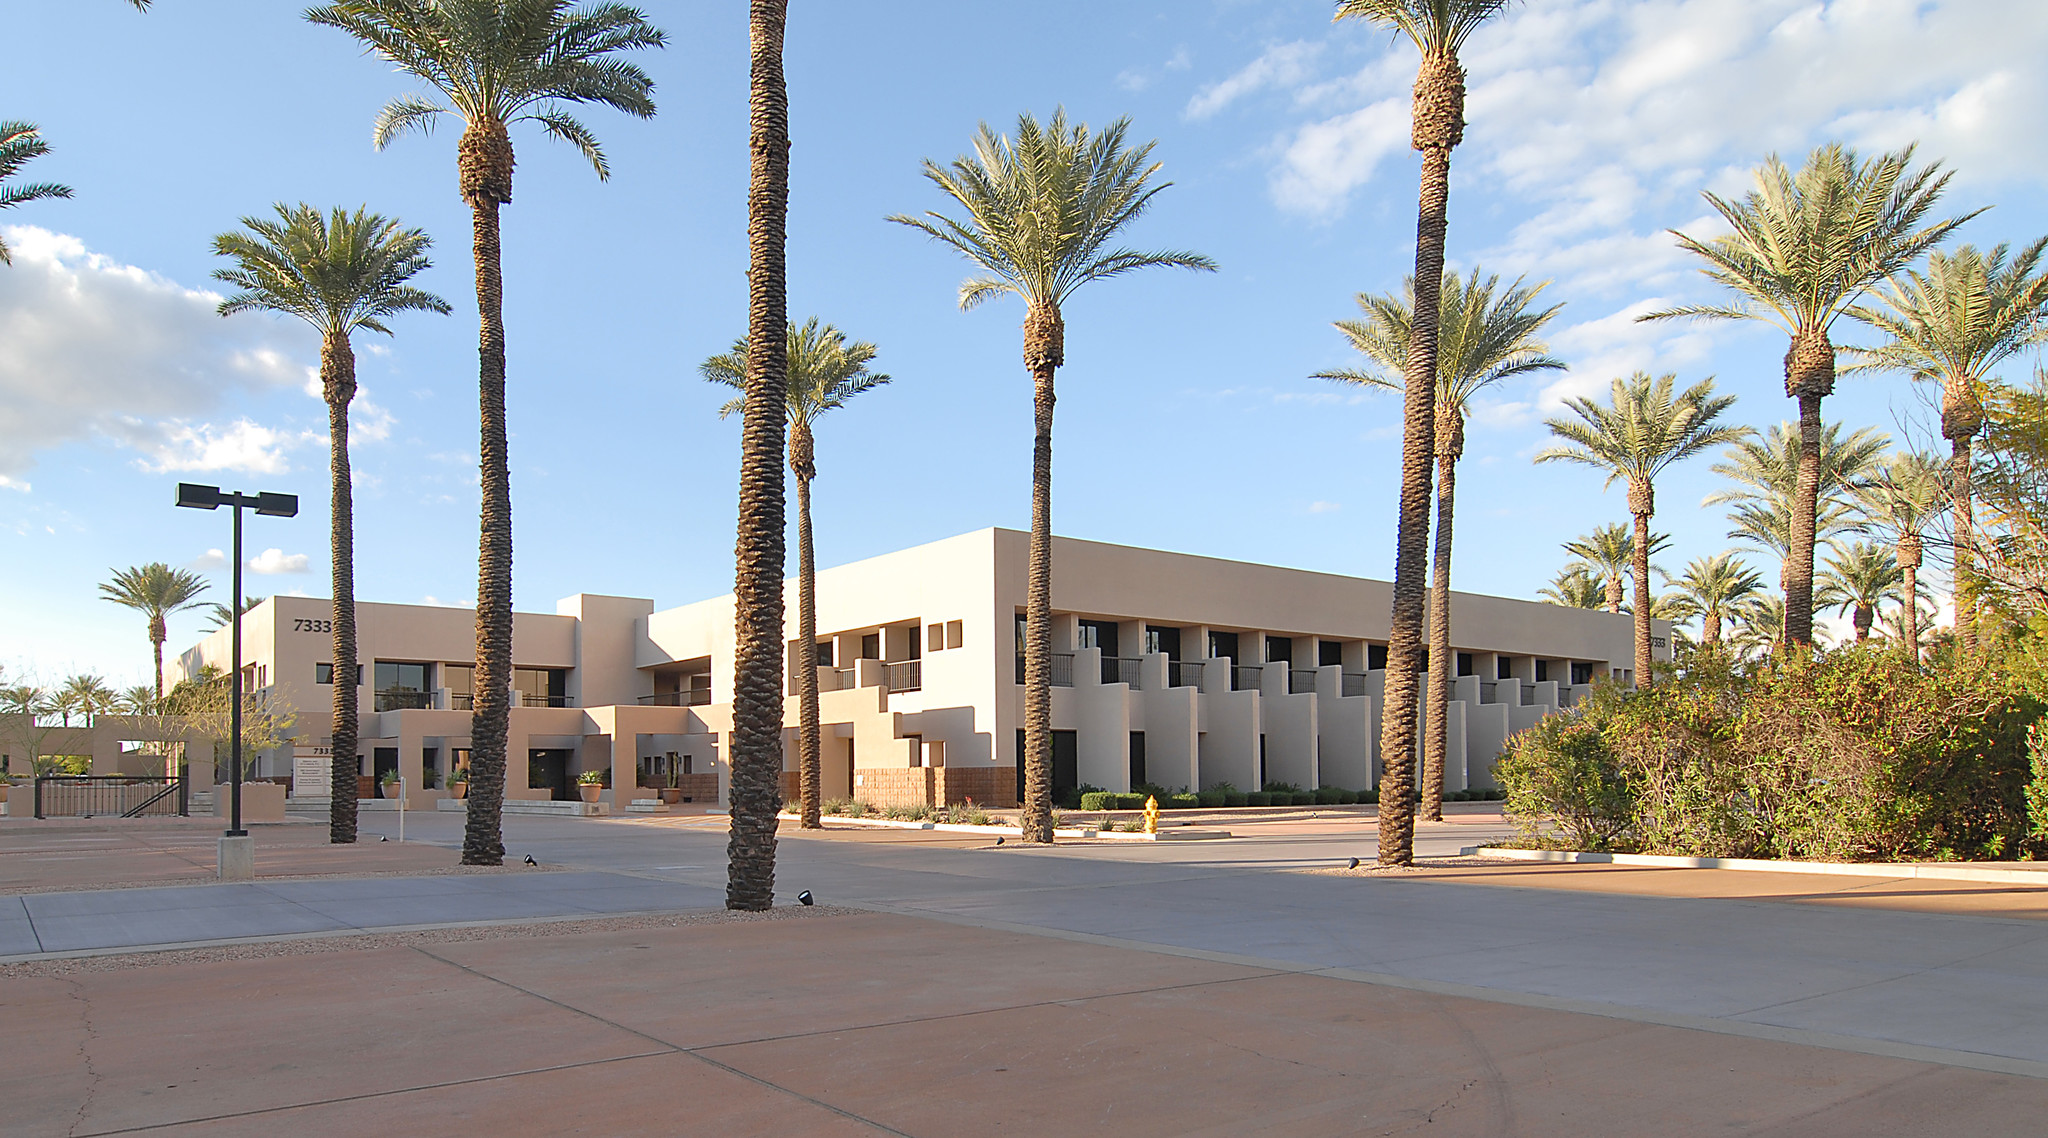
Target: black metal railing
905,676
1062,669
1300,681
461,701
118,795
1354,683
529,699
1489,692
1244,678
694,697
1121,670
401,700
1183,675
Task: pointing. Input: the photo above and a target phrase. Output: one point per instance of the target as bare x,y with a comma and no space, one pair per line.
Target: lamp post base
237,860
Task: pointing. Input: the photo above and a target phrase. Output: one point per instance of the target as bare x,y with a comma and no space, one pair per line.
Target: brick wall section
893,786
988,786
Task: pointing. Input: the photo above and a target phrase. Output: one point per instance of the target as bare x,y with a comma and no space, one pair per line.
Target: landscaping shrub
1183,801
1258,798
1370,797
1279,798
1211,799
1328,796
1857,754
1099,800
1347,798
1234,797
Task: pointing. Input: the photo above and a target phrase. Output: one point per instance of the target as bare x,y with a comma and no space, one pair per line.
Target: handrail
1245,677
1183,674
1354,683
687,697
1062,669
906,675
1122,670
104,794
1300,681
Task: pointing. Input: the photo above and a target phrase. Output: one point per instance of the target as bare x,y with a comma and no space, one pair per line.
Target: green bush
1279,798
1234,798
1328,796
1258,798
1099,800
1281,788
1210,799
1183,801
1347,797
1370,797
1857,754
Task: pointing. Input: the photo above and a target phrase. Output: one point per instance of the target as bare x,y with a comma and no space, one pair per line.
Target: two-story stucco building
1170,669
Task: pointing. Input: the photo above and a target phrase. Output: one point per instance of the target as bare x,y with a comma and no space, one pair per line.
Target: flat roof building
1168,668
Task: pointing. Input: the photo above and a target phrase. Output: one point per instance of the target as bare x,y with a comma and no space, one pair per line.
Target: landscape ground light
197,497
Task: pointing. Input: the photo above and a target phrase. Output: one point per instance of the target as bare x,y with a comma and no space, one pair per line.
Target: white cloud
1324,507
271,562
1282,65
1325,161
177,445
210,560
92,347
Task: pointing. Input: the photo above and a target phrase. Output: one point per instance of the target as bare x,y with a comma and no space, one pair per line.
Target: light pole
237,858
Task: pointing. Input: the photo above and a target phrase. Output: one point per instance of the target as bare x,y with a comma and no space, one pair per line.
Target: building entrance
549,770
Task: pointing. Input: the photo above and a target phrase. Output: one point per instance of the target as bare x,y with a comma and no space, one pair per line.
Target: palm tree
824,371
1040,212
218,616
1714,586
1767,472
340,273
1901,499
155,590
1646,427
19,143
757,587
494,63
88,695
1953,325
1862,576
1439,29
1575,586
1481,341
1607,554
1805,249
1759,625
136,700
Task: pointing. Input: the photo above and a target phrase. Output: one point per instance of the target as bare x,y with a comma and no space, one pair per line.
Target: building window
956,634
1099,634
1162,639
1222,644
1329,654
871,646
1279,649
824,653
541,687
935,638
1375,657
403,686
1581,674
1465,663
1542,670
324,674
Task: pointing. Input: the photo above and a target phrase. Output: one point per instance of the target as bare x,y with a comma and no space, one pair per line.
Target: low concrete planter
1936,870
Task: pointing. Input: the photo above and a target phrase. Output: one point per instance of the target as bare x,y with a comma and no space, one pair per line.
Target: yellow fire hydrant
1151,815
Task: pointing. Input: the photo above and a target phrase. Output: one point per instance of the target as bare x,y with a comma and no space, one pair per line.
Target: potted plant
391,784
589,784
673,792
458,782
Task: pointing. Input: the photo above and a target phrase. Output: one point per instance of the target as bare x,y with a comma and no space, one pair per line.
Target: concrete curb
1937,871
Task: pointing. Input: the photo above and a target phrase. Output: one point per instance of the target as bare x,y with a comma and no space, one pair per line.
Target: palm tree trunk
157,635
1616,594
1642,502
1909,571
1045,336
485,165
1861,617
757,586
1966,544
1411,547
338,383
1710,628
1798,569
807,654
1443,659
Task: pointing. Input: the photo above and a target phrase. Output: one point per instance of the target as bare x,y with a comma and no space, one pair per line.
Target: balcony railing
1062,669
398,700
1489,691
906,676
835,679
1354,683
1121,670
1245,678
694,697
1183,675
1300,681
529,699
461,701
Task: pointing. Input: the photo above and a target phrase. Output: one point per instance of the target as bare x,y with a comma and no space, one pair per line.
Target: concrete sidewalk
818,1023
41,923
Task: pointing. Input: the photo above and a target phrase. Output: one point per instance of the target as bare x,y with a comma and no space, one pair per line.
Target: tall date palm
1040,212
1646,426
1714,587
155,590
1902,499
1439,29
1483,339
341,273
759,554
1804,250
1606,554
824,372
494,63
1953,325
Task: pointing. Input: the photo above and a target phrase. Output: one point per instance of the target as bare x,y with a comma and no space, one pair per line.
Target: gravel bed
370,942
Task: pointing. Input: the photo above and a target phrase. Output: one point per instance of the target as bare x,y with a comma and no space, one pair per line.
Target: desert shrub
1859,753
1131,826
1328,796
1258,798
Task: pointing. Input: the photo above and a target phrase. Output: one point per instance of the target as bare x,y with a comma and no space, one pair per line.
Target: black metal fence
114,795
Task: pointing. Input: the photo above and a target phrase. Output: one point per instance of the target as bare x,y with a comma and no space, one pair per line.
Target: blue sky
1186,420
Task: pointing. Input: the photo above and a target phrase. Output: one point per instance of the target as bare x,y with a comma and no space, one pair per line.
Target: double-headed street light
236,858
